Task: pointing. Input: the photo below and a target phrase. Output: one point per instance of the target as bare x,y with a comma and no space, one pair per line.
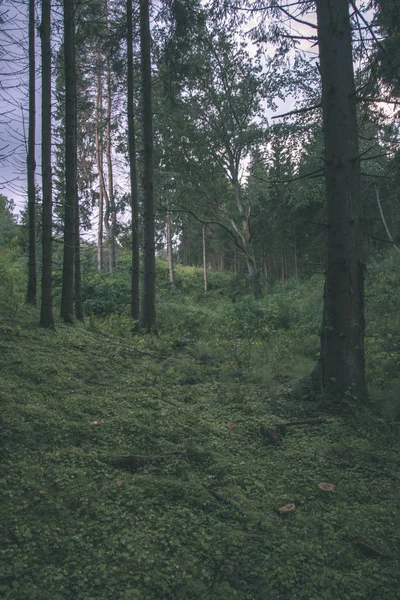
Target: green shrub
104,295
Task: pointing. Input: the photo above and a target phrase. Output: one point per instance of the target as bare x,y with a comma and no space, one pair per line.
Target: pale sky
14,100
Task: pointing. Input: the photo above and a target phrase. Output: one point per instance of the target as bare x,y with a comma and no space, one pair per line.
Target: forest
200,299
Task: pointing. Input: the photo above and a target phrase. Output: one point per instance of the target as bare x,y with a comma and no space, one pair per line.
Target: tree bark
77,269
184,244
46,309
170,254
112,215
135,275
204,259
296,261
245,236
99,159
148,314
384,220
67,293
31,163
342,365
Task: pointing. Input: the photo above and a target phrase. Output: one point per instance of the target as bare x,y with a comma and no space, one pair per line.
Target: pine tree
46,309
148,312
342,365
31,162
67,294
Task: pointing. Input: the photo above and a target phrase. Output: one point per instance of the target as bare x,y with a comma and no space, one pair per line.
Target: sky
14,99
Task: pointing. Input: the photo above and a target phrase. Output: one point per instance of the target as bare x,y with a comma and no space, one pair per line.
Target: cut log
269,434
272,433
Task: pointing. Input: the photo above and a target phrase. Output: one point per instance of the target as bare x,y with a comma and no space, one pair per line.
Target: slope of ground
197,518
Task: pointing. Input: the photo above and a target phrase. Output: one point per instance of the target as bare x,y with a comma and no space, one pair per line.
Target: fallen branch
368,550
272,434
137,461
315,421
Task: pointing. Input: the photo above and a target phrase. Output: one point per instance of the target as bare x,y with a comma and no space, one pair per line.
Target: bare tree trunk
67,293
99,159
204,258
31,163
342,365
46,309
384,220
185,244
286,266
111,212
245,236
170,255
148,313
77,270
135,275
296,264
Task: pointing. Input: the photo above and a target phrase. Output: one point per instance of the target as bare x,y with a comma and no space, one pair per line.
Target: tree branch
299,111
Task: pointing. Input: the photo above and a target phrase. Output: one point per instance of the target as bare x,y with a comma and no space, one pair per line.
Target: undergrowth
198,517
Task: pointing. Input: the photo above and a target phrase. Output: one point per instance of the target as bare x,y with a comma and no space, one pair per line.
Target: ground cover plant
195,515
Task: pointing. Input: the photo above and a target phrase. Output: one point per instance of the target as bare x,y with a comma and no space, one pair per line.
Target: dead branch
299,111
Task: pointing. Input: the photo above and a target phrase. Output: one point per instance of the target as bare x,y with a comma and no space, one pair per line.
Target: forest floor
197,517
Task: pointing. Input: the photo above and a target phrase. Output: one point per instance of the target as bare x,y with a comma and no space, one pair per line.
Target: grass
200,519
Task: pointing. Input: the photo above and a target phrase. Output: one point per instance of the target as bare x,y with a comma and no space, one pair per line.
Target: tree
111,214
31,163
67,294
342,337
99,159
148,312
46,309
8,225
385,61
135,301
221,104
170,252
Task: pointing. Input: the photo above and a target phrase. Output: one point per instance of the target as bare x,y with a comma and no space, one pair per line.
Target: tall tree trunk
170,254
77,270
99,159
148,314
245,236
46,309
184,244
342,338
296,261
31,163
112,215
67,292
135,275
286,266
203,230
384,220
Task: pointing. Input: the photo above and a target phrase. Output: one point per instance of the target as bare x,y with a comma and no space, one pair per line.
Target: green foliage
382,343
103,295
8,224
200,519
